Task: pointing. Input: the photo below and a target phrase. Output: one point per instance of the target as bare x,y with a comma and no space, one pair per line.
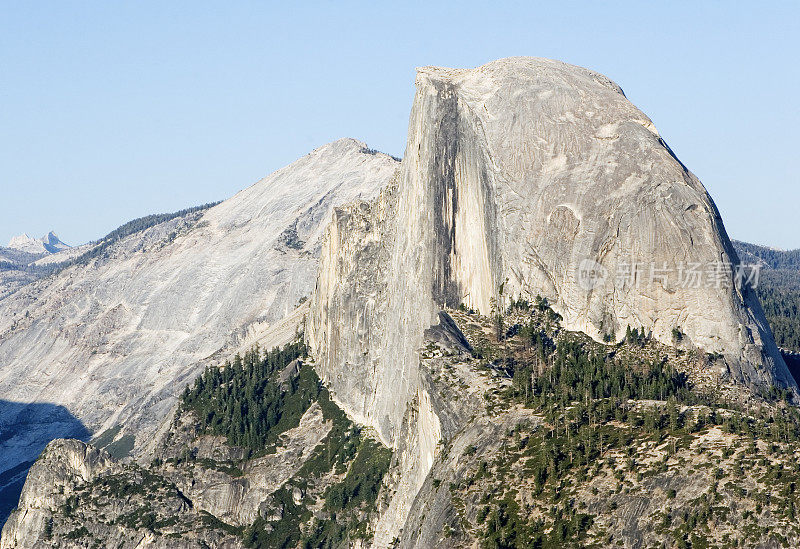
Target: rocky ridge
114,339
48,244
515,175
200,489
422,327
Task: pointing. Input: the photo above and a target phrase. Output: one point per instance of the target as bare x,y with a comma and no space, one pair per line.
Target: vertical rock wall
516,174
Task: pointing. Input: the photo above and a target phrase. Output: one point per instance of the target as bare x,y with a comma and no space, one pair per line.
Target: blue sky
110,110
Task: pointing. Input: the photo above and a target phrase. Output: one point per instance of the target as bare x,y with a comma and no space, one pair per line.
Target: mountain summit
114,339
48,244
531,331
530,177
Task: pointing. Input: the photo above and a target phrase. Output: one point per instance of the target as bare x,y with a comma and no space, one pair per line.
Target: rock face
200,490
239,501
55,508
115,340
522,178
62,466
518,175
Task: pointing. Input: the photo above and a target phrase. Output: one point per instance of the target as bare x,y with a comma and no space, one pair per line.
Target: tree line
246,402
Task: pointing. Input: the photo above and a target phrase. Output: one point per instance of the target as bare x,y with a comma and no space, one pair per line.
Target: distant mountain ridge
779,291
48,244
23,264
439,374
780,267
26,259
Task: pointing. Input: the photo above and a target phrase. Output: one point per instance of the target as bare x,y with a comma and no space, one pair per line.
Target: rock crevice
516,175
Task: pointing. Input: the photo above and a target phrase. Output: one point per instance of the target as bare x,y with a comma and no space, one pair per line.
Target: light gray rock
64,465
238,500
348,323
79,496
114,341
517,175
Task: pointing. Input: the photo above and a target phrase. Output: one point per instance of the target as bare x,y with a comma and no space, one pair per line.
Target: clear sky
111,110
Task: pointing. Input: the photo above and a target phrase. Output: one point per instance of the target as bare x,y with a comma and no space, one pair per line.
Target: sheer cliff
113,341
538,313
527,436
519,177
522,178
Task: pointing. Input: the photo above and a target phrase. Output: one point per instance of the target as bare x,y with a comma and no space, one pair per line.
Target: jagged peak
51,237
20,239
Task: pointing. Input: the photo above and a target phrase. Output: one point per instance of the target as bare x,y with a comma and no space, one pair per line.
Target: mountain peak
345,145
50,243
